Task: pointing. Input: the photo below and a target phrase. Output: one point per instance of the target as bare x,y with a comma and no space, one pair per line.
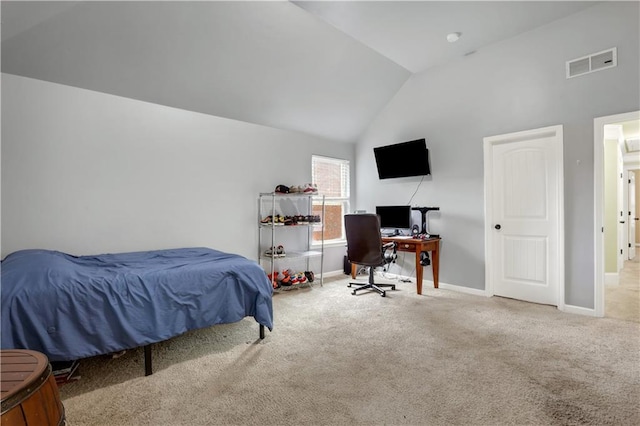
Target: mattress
71,307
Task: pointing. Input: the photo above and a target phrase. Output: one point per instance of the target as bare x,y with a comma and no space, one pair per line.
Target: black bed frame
148,364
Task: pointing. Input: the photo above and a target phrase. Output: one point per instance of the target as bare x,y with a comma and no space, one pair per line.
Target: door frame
556,132
629,170
598,199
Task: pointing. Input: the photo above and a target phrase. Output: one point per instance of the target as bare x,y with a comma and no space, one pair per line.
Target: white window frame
345,200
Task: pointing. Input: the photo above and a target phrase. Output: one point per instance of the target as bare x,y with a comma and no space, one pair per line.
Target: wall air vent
592,63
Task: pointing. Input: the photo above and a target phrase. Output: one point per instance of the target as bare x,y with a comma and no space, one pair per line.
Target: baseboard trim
611,278
330,274
459,288
569,309
441,285
579,310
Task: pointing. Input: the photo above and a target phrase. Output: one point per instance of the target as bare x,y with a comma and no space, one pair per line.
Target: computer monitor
394,217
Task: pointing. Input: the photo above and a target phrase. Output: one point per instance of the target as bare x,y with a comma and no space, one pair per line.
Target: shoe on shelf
282,189
301,278
266,220
275,252
294,189
309,275
286,278
274,280
310,188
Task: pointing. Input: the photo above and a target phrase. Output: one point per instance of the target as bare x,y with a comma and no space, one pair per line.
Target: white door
524,215
621,219
631,219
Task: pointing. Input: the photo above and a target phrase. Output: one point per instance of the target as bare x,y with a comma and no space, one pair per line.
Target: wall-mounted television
402,159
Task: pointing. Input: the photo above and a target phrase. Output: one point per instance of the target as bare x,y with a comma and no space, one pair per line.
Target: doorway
524,242
616,268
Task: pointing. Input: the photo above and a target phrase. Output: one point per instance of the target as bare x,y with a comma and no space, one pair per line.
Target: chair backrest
364,242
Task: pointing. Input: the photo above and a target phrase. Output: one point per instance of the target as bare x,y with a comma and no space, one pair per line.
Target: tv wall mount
424,211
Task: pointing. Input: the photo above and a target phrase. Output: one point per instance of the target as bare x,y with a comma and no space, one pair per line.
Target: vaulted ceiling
323,68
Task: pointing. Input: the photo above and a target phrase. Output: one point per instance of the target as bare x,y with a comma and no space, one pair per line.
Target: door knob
498,226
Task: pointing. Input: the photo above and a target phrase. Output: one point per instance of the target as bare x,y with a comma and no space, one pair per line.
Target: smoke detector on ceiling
453,37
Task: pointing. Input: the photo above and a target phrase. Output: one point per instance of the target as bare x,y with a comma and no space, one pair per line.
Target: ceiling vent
592,63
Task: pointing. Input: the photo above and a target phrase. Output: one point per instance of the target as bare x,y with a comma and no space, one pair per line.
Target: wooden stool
29,391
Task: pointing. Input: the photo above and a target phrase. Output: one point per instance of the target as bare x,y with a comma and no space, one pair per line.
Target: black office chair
364,247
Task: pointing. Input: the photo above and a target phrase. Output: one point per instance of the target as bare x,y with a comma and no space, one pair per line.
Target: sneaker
286,278
309,275
310,188
282,189
275,252
274,280
266,220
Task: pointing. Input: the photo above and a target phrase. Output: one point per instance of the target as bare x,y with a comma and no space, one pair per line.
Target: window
331,175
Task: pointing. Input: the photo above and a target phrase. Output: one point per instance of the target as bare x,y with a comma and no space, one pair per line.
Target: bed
72,307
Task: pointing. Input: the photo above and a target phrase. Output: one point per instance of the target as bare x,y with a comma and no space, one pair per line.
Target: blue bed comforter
71,307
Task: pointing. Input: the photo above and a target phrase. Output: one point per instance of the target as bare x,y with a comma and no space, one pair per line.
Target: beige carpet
622,301
443,358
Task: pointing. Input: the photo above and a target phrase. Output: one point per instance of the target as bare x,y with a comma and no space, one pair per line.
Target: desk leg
419,270
354,269
435,265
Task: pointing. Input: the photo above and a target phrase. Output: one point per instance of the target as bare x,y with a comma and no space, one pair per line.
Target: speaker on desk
415,230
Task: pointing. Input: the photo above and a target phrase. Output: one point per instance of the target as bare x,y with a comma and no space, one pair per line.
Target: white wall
515,85
86,172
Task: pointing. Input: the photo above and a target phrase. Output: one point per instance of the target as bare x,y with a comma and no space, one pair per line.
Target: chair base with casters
371,285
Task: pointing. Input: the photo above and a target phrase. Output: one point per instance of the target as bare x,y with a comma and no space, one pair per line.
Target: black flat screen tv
402,159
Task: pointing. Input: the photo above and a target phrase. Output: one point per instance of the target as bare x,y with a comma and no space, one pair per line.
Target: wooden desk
415,245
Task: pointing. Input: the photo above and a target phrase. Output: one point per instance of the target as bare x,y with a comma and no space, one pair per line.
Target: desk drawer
406,246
